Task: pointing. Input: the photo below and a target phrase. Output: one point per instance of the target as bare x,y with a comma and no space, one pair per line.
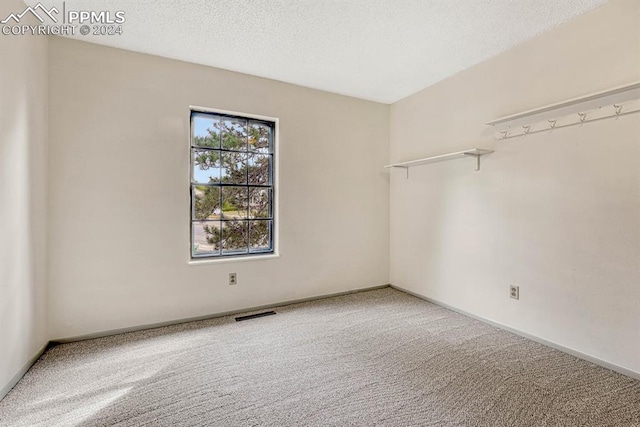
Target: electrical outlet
233,280
514,292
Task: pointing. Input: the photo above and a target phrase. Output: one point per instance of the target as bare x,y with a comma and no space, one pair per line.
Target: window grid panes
232,192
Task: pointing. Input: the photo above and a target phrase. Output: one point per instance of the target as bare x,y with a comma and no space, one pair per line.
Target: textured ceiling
381,50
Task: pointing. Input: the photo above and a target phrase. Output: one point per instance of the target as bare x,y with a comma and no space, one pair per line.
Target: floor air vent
255,316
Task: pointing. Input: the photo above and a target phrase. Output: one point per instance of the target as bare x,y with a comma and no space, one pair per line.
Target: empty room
320,213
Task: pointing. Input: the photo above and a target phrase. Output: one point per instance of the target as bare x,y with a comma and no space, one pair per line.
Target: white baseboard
18,376
576,353
628,372
208,316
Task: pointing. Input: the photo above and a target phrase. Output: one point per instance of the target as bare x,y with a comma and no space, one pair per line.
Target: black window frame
270,186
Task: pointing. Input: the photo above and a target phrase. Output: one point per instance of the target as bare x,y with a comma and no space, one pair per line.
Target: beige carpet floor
377,358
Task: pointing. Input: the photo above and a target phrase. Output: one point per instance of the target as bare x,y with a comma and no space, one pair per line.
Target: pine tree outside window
232,185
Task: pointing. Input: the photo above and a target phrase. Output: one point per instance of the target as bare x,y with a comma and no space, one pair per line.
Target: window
232,191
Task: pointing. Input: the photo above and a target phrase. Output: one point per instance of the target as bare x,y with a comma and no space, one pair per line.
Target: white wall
557,213
119,211
23,243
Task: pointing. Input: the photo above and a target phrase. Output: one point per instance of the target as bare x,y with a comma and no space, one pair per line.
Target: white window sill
244,258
